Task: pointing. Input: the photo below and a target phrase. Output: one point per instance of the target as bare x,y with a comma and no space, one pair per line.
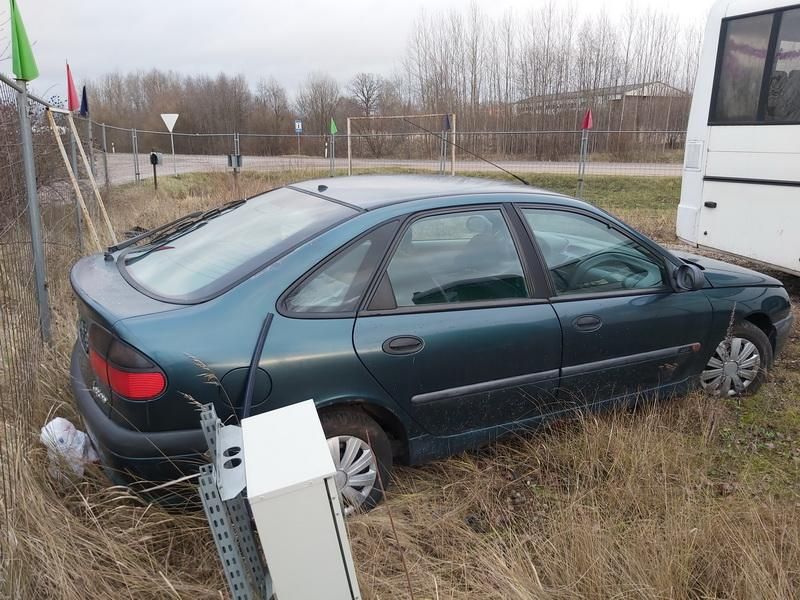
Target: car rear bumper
782,330
137,459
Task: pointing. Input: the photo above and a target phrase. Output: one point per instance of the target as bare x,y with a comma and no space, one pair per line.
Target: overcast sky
286,39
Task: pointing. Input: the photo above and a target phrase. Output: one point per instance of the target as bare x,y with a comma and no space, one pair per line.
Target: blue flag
84,111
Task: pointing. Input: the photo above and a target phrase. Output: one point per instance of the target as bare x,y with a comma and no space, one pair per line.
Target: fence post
135,149
582,160
453,147
73,163
105,155
34,216
91,146
73,156
349,150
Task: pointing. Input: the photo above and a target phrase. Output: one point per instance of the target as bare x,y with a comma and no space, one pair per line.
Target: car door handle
403,344
710,204
587,323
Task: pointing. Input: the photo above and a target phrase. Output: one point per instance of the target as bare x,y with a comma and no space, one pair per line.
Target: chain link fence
122,155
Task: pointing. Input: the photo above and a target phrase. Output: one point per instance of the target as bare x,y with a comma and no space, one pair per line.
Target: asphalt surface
121,166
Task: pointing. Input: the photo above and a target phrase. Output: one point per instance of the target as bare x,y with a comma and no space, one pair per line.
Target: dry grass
692,498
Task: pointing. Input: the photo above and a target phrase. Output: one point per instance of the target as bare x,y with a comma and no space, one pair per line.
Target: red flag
587,119
73,103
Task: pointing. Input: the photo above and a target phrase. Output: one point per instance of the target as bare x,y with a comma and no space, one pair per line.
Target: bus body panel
741,182
753,221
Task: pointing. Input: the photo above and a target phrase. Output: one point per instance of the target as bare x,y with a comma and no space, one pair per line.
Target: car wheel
362,455
739,364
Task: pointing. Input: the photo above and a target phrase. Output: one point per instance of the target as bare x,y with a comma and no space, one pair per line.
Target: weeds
691,498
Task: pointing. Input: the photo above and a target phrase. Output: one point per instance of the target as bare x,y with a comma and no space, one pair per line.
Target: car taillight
135,385
126,371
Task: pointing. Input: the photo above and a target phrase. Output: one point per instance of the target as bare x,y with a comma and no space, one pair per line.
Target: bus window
741,70
783,101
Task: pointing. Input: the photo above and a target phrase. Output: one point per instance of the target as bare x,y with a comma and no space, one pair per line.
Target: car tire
351,435
740,362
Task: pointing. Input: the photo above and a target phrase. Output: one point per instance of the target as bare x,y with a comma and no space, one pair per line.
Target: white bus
741,172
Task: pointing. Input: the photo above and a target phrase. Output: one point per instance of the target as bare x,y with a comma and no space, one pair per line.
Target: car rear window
207,260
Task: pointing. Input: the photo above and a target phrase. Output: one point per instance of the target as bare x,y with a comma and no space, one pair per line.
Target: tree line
461,62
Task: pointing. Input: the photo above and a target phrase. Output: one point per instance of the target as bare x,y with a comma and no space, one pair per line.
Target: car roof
368,192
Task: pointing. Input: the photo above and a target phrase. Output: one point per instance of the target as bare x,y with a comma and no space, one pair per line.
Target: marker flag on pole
73,103
587,119
334,131
22,62
446,123
84,111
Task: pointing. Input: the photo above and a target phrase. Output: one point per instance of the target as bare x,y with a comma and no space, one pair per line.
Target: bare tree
271,97
366,89
317,100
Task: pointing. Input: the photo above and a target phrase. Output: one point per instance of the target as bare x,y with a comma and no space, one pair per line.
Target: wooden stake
74,181
91,178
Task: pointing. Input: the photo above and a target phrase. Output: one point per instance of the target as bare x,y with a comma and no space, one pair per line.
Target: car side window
338,284
454,258
585,255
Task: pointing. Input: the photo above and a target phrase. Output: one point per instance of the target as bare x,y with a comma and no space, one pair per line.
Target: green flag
333,127
22,62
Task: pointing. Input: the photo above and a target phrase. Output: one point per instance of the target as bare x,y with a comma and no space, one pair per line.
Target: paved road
121,169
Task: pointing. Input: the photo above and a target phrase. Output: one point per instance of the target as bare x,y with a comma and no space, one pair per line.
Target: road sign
169,120
298,126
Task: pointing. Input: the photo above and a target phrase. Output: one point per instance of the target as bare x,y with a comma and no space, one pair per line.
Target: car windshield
216,253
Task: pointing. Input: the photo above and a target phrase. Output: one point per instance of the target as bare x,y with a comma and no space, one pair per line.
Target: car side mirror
688,277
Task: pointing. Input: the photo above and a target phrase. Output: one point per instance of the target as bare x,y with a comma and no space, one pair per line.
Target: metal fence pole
34,217
105,155
73,164
453,146
73,156
135,148
349,150
91,147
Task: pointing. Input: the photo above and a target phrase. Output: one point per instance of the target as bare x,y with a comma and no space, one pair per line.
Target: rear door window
215,255
336,287
455,258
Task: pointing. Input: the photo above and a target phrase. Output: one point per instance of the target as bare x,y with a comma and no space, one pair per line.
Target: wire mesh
21,345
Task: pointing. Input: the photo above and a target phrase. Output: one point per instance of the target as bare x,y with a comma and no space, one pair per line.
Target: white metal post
174,164
135,148
349,150
453,146
105,155
34,217
91,145
333,154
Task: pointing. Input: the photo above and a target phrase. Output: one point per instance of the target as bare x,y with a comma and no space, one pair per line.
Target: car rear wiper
179,224
180,229
150,232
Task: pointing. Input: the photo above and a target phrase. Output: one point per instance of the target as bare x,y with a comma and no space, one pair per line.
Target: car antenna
478,156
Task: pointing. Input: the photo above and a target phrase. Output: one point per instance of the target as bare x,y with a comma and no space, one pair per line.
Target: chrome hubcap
356,470
734,366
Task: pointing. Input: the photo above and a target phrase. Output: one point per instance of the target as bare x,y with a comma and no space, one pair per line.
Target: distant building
633,107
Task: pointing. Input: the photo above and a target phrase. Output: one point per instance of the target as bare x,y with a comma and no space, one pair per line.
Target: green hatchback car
424,316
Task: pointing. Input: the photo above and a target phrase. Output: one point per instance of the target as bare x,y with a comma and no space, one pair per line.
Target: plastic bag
67,448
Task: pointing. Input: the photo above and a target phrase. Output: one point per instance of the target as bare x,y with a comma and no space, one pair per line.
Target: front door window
586,256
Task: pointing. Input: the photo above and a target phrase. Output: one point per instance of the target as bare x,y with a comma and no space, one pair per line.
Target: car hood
722,274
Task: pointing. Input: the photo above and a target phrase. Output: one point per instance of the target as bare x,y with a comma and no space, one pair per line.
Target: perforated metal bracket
228,515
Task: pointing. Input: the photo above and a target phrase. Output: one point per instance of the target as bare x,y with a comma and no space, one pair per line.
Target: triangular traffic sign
169,120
